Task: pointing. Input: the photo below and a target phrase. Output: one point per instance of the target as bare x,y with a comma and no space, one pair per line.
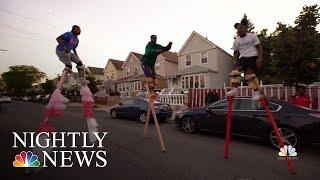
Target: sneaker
81,67
232,92
69,70
257,96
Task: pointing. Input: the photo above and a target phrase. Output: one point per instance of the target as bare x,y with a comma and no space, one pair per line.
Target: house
112,72
97,73
133,77
201,64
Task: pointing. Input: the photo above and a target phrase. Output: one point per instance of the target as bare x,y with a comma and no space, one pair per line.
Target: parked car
137,108
5,99
26,98
249,119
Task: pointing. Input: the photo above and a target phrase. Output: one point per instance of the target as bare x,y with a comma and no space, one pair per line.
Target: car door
250,118
215,119
126,107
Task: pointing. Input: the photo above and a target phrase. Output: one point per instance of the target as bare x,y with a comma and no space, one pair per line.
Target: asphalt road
130,156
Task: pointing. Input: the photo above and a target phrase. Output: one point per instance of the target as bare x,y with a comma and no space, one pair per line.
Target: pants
67,58
149,71
245,63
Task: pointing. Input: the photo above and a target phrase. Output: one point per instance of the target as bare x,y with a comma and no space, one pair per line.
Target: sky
113,28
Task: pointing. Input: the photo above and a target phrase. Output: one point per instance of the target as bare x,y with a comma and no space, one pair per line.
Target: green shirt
150,56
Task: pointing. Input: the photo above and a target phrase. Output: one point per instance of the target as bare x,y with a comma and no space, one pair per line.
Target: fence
196,97
172,99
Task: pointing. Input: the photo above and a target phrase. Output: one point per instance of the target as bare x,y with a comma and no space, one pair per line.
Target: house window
128,72
204,57
196,83
191,81
188,60
182,82
187,82
135,71
112,76
174,81
202,82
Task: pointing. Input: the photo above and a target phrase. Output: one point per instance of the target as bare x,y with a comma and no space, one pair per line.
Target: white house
201,64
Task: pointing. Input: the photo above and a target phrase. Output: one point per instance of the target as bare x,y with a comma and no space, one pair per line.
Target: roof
117,63
139,56
194,70
170,56
96,70
124,79
142,76
203,38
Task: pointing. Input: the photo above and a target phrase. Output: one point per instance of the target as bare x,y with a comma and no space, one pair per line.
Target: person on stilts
247,57
148,61
69,42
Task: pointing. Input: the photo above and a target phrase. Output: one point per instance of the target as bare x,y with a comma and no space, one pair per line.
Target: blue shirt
71,41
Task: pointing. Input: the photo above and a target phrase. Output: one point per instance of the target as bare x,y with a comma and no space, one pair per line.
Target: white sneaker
80,67
257,96
232,92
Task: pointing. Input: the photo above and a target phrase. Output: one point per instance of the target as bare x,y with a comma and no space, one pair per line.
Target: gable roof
138,56
170,56
194,70
194,33
117,63
96,70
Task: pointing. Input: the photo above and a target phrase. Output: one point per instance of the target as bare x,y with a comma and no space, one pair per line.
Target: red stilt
228,128
275,128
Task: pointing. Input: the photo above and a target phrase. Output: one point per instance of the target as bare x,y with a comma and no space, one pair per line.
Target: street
131,156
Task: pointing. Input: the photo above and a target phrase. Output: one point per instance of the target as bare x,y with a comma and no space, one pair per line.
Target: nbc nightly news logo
42,144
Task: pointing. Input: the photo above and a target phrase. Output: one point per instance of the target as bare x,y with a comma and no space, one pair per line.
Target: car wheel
113,114
143,117
189,125
289,137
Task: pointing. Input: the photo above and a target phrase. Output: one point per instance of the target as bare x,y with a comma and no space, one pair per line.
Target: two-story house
201,64
97,73
112,72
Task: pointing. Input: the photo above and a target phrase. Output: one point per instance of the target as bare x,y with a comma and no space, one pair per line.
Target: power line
26,32
25,17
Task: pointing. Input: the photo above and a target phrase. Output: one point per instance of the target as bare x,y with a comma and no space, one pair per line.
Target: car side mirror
209,110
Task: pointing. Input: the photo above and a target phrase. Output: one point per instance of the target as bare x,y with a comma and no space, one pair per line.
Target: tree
19,78
48,86
296,49
93,83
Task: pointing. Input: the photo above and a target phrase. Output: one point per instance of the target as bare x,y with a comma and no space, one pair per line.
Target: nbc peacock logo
26,159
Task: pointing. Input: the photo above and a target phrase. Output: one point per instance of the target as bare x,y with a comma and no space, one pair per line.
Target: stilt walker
247,47
147,63
57,103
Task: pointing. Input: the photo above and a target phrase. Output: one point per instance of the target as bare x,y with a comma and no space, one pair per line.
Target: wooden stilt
276,130
58,86
151,110
272,122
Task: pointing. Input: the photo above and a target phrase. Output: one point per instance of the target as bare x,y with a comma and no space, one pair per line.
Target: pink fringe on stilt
87,101
45,126
56,104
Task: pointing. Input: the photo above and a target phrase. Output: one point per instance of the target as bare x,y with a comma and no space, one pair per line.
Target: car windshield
248,104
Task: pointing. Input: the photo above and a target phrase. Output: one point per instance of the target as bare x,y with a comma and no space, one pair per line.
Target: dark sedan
137,108
249,119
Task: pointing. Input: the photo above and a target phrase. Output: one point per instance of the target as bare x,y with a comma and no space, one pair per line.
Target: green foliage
48,86
291,53
93,84
19,78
